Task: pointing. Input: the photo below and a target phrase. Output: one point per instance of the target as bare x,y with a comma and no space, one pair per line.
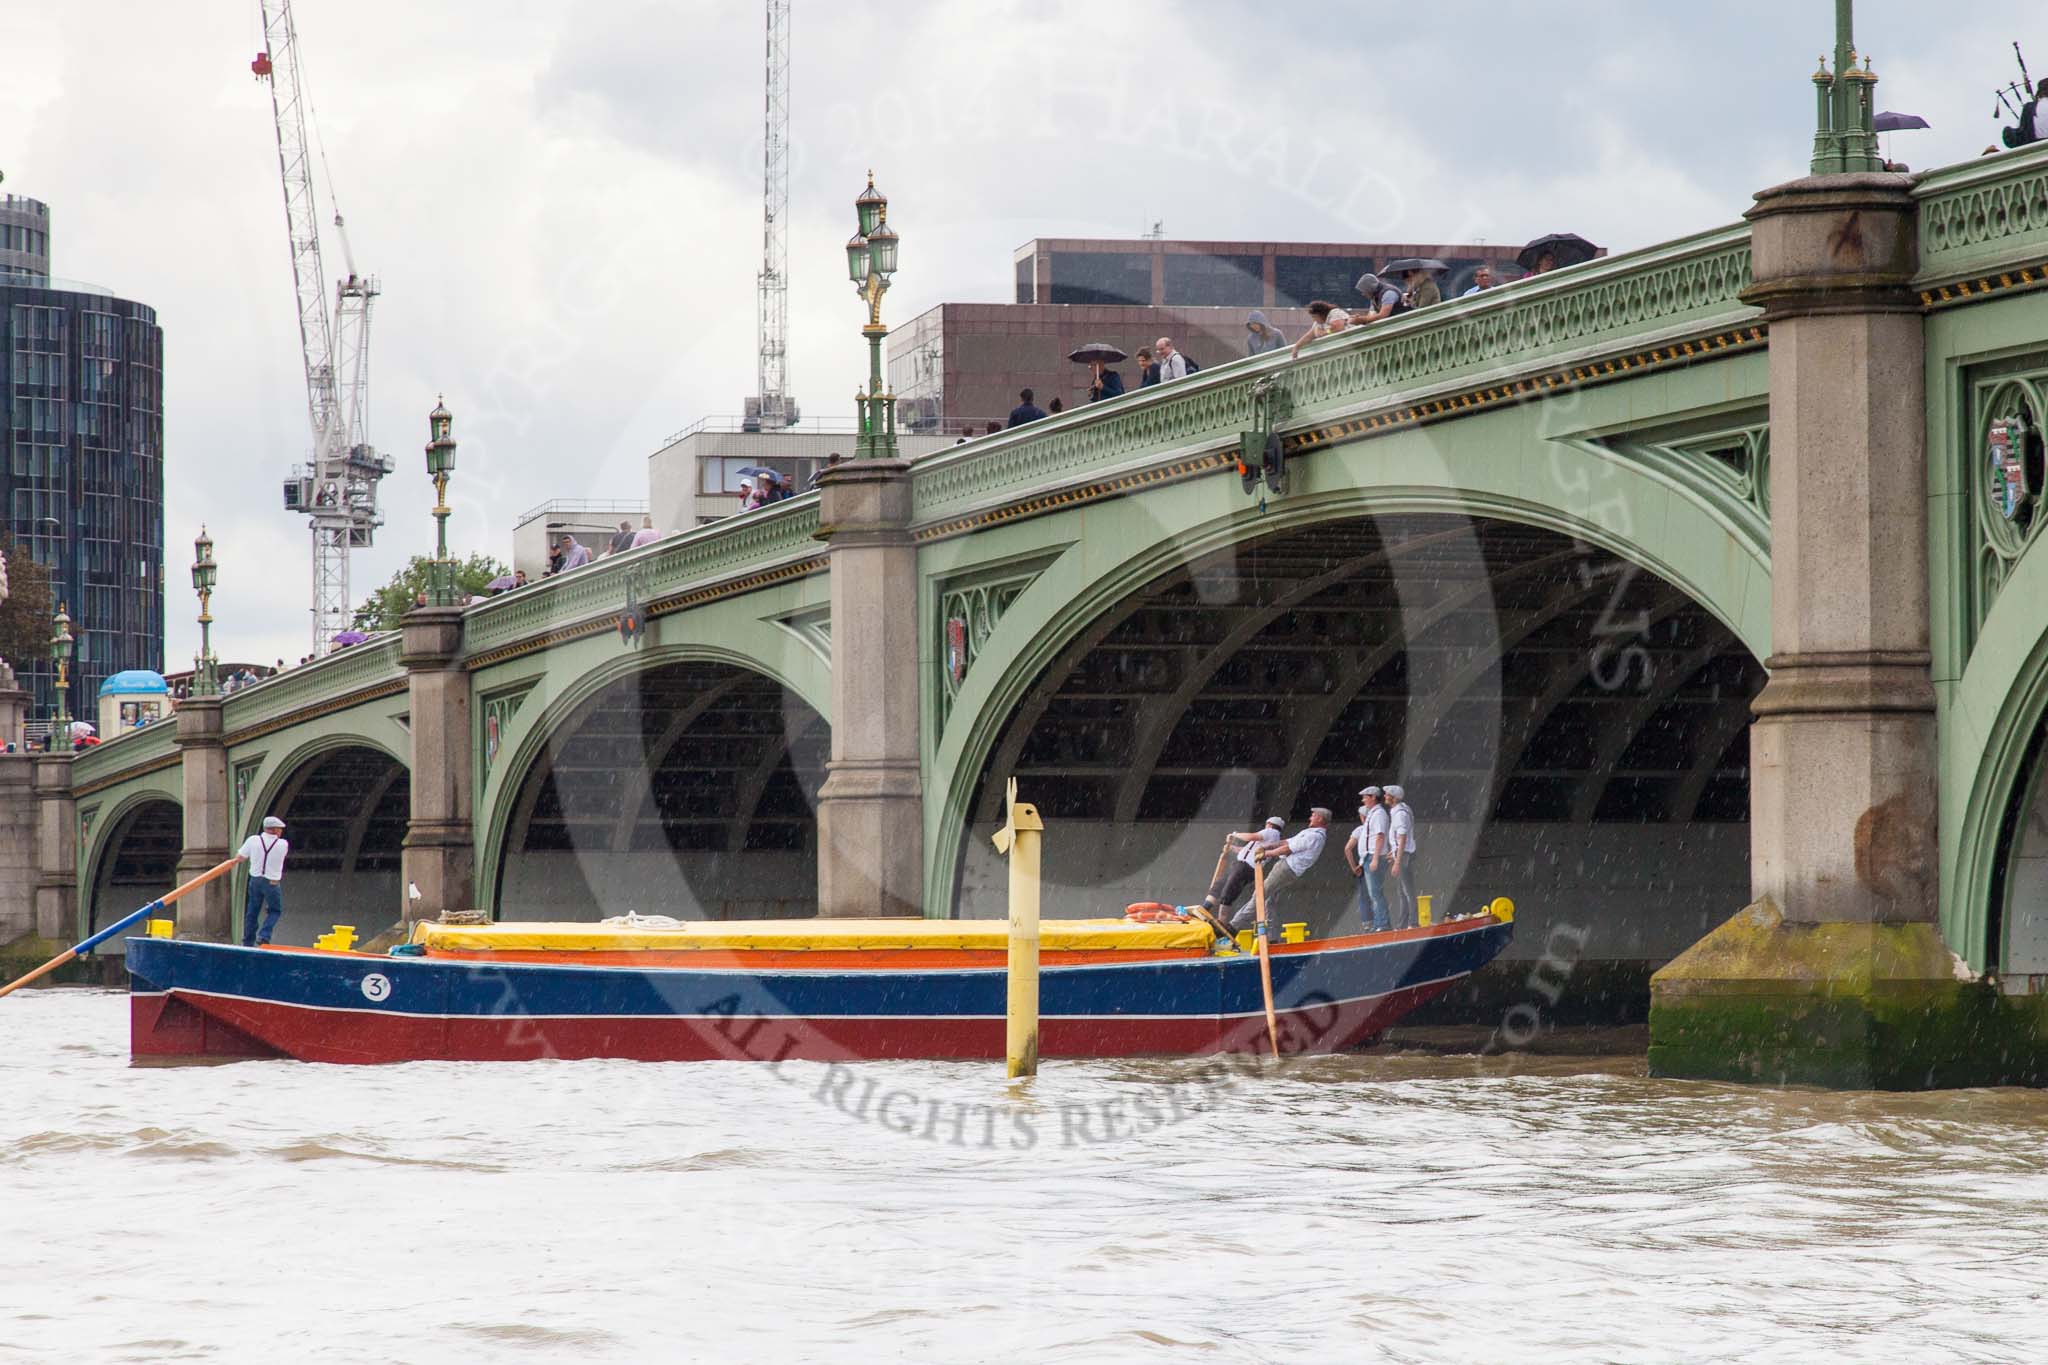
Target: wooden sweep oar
1265,954
103,935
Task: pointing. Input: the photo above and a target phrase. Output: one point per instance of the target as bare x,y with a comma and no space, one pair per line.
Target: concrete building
965,363
593,521
24,238
694,478
81,455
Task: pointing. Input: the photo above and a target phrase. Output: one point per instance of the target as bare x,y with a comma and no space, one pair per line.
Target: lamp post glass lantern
60,654
870,261
440,464
205,677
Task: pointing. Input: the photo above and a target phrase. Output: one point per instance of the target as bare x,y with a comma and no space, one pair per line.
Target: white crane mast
772,407
337,490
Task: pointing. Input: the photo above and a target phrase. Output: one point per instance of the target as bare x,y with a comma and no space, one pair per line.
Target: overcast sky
563,200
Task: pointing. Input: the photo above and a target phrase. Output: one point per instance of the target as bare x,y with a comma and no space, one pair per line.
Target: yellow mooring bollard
1018,840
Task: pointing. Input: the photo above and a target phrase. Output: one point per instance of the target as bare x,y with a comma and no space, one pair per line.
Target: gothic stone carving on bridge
970,606
2004,478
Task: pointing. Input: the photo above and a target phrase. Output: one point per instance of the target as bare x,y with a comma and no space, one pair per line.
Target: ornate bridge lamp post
440,464
870,262
61,645
205,673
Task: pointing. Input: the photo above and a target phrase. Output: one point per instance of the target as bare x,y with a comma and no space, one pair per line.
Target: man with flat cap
1236,878
1287,861
1366,852
265,855
1401,857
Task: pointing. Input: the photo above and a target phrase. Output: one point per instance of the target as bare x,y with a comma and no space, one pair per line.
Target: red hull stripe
235,1026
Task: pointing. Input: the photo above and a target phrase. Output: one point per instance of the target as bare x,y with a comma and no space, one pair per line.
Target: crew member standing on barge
265,855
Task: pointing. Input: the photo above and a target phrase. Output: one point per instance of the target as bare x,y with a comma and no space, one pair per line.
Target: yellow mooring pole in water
1018,840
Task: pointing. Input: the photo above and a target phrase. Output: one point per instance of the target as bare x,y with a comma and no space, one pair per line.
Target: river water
1395,1206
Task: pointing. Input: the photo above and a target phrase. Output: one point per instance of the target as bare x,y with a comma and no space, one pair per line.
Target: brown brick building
966,362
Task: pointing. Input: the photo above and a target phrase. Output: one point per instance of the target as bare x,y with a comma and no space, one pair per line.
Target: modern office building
81,457
966,362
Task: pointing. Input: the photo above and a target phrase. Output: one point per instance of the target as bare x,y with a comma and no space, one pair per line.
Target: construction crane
772,407
337,488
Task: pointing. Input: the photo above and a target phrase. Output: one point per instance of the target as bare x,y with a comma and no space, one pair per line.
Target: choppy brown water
1416,1206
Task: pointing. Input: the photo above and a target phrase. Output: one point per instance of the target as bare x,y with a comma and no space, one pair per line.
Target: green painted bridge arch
1659,472
1477,493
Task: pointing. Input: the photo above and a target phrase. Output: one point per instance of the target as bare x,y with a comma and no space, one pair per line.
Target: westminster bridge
1674,583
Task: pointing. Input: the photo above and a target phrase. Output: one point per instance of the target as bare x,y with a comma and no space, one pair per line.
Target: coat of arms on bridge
2015,469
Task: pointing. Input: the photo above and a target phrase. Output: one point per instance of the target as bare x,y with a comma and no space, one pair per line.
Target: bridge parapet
1983,226
1615,316
668,575
126,755
338,679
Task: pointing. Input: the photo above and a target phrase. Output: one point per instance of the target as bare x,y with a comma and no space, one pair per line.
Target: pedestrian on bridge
1026,411
1325,319
265,855
1287,861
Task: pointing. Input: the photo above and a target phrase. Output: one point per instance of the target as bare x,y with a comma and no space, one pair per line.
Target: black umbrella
1097,350
1889,122
1564,248
1408,263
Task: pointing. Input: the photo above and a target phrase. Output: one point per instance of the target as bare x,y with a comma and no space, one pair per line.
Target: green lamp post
205,675
60,652
440,464
1844,139
870,262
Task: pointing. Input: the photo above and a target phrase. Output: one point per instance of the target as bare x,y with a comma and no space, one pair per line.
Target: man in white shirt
265,855
1287,861
1401,857
1172,364
1366,852
1237,877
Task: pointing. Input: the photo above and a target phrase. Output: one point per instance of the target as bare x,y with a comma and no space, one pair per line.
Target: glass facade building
81,471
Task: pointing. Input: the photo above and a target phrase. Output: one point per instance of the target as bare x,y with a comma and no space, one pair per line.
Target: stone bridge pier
1837,973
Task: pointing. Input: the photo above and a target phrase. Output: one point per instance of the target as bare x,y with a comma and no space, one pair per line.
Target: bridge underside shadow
1571,731
140,864
688,789
345,814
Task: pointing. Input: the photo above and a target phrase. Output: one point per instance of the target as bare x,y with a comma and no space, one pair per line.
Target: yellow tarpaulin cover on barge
1071,935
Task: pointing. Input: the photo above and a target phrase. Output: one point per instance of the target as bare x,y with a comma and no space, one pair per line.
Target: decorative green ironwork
1661,297
244,778
969,609
1844,139
1984,216
2004,479
497,712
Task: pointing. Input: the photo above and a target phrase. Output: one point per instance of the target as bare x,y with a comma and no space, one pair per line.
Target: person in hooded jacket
1261,336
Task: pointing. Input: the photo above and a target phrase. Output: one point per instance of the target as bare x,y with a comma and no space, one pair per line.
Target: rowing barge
822,990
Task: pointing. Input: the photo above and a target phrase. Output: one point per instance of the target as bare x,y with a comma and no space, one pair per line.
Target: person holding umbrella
1098,356
1418,279
1555,251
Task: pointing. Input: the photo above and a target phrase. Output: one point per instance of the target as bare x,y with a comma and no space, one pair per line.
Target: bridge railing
372,663
132,749
1642,299
737,545
1983,216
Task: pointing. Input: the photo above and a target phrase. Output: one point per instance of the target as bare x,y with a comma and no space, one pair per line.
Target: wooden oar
1265,953
103,935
